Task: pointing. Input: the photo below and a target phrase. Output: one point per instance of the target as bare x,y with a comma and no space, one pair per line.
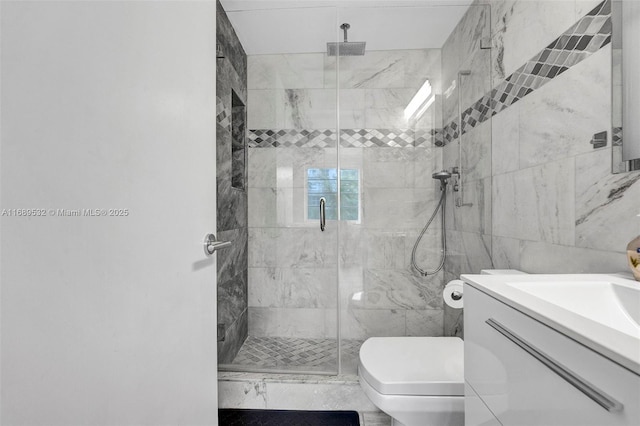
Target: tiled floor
287,353
374,419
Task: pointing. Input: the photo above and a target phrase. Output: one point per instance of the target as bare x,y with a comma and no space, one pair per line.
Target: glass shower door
292,166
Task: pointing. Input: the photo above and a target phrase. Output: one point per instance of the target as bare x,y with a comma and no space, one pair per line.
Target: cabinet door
475,412
521,390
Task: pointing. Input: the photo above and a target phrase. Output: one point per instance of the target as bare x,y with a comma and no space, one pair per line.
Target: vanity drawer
476,412
520,389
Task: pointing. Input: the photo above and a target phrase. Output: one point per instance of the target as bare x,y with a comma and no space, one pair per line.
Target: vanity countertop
600,311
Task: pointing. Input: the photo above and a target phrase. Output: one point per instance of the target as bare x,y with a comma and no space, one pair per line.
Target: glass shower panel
292,164
395,123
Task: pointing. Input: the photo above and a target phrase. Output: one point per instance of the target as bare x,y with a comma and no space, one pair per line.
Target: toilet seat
427,366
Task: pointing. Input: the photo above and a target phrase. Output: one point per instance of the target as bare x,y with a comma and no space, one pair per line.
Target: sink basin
610,304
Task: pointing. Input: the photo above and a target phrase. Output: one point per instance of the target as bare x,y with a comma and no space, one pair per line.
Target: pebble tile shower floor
297,353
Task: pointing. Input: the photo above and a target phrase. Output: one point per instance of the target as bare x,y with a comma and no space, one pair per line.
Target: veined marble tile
472,28
351,244
263,109
543,258
307,247
232,298
357,323
423,64
292,164
291,322
476,152
384,249
292,209
559,119
309,109
536,204
505,149
429,251
388,168
265,289
453,322
288,71
427,161
469,253
398,208
352,107
425,323
263,247
523,28
262,168
242,394
431,119
606,203
235,335
505,253
385,118
292,396
398,289
478,82
309,287
376,69
375,419
475,213
450,155
388,98
262,207
351,281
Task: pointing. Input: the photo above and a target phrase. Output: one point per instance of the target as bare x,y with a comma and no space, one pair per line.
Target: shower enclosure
302,121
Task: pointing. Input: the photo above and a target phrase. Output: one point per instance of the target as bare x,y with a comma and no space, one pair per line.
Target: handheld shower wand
443,176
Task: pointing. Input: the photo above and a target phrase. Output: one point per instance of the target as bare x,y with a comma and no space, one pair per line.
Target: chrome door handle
322,214
597,395
211,244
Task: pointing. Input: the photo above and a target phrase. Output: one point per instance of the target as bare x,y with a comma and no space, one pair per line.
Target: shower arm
345,27
458,187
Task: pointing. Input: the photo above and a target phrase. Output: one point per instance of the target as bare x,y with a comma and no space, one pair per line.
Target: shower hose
441,205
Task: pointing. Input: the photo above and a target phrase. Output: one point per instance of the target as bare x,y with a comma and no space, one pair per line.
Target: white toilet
418,381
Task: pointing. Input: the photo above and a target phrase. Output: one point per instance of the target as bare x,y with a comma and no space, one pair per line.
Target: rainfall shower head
443,176
346,48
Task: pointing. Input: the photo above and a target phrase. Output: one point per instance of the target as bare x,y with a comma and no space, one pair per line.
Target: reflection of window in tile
238,138
324,183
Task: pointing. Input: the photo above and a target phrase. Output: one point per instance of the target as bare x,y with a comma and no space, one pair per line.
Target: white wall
108,320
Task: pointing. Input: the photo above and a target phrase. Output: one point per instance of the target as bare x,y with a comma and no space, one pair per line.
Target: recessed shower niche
238,142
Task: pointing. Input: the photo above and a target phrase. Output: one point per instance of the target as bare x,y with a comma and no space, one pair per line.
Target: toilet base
418,410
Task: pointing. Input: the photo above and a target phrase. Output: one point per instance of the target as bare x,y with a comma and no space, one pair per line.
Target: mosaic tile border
287,138
349,138
591,33
588,35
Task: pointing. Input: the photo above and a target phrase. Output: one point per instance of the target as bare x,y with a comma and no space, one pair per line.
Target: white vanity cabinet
524,372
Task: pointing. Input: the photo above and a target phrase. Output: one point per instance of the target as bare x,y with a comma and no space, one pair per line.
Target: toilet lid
413,365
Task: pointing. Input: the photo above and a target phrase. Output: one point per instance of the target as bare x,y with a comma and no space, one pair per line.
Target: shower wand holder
457,187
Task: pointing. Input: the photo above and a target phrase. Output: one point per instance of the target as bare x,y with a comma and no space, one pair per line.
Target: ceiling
305,26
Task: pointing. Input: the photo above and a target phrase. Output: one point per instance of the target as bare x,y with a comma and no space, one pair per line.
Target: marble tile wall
555,205
468,226
294,269
232,202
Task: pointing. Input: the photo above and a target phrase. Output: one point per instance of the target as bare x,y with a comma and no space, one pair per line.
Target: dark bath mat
242,417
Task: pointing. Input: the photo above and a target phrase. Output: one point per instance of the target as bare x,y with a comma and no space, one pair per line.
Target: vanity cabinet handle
598,396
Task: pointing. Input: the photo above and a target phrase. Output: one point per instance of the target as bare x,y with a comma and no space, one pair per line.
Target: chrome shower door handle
322,215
